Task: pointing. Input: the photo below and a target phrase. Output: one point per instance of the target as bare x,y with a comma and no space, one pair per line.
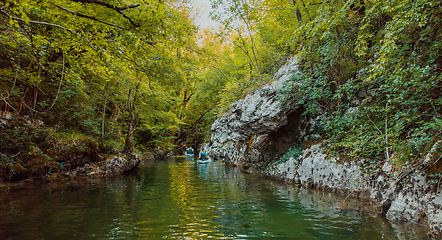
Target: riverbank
264,134
32,151
81,165
399,195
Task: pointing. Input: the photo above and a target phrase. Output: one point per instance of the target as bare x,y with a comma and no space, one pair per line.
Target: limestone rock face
258,131
412,202
315,170
256,114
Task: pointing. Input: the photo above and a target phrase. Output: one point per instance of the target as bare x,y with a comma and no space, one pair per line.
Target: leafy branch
107,4
86,16
116,8
48,24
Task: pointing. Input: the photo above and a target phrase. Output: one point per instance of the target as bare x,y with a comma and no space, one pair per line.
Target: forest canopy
72,63
83,74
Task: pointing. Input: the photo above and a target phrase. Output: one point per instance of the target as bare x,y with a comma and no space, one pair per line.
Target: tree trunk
129,146
104,112
298,13
34,103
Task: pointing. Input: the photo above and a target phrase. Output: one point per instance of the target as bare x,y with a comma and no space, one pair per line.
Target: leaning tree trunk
298,13
129,146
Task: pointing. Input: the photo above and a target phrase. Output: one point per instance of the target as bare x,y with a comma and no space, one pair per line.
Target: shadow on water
180,199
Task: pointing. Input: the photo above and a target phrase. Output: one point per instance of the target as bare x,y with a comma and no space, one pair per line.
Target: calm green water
179,199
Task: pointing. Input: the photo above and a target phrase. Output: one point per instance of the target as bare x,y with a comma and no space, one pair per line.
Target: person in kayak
204,154
189,150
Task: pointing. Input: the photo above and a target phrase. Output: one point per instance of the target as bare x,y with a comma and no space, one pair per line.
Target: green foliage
295,151
20,136
380,88
71,64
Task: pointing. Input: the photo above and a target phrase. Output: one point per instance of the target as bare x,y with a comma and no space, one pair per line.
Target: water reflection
179,199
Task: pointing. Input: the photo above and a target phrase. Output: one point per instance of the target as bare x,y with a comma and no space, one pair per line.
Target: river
180,199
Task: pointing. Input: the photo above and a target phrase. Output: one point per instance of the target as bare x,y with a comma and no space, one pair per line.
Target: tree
71,62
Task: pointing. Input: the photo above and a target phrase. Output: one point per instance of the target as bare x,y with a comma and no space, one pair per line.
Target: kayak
189,154
204,161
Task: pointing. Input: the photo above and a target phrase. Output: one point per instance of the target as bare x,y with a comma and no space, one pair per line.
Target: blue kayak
189,154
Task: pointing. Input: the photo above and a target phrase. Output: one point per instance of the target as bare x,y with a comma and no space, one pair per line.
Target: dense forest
126,75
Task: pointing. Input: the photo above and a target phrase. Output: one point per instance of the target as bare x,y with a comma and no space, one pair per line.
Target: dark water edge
179,199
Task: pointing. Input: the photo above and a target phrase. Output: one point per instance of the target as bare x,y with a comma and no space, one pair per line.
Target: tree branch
130,20
86,16
128,146
105,4
4,98
194,124
49,24
59,87
118,9
219,70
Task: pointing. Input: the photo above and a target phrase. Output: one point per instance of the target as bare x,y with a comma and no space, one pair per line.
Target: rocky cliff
259,130
255,129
